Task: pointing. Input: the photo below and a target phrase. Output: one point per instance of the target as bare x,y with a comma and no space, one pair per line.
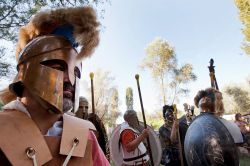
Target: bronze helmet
54,35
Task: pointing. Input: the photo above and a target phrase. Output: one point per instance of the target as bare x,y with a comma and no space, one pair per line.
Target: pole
211,67
144,119
179,138
92,92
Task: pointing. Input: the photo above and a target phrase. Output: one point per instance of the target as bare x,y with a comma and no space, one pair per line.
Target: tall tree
241,97
106,97
129,98
181,76
244,14
160,60
113,109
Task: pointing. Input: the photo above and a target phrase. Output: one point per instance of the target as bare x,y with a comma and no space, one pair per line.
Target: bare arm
173,136
131,146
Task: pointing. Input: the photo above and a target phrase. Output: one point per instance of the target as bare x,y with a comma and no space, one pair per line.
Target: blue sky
198,29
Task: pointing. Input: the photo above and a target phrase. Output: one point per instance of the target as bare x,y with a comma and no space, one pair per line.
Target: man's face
83,108
207,102
68,89
133,121
169,117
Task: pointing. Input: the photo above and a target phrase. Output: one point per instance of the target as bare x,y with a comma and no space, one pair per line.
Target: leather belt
135,158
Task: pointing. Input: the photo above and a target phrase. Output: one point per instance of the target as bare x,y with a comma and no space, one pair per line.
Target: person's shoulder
163,129
77,122
9,113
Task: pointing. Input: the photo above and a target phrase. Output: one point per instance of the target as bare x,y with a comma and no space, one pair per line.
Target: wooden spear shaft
92,92
214,83
179,138
144,119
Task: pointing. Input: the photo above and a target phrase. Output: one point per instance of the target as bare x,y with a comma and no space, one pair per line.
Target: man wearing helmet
34,129
132,135
168,137
189,114
100,132
210,101
82,111
215,143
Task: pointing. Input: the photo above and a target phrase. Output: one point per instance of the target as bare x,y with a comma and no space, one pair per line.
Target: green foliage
16,13
4,67
161,61
160,58
129,98
240,97
244,14
182,76
1,105
244,160
155,119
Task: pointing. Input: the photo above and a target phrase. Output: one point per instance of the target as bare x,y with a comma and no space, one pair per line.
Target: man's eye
58,68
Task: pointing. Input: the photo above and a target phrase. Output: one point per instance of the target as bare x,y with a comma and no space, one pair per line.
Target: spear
97,121
144,119
212,75
92,92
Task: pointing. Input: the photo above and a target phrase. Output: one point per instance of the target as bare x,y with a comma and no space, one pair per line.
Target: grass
244,160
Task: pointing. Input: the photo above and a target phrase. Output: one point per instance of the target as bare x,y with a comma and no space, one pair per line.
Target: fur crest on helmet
83,19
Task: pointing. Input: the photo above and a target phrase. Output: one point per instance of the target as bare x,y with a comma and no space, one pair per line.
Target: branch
71,3
175,92
61,1
11,9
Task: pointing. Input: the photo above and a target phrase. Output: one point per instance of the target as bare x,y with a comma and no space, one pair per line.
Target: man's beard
67,97
67,104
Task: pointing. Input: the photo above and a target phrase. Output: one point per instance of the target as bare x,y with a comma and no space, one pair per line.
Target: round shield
208,142
101,134
234,130
116,152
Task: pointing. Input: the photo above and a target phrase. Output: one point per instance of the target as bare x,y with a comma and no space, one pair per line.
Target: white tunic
139,151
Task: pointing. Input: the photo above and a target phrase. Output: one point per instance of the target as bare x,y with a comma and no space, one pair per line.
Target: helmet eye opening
55,64
77,72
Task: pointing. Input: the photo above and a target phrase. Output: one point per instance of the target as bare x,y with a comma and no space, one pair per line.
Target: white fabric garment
141,149
55,130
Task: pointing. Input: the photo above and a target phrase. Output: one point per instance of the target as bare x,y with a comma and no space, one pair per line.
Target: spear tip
137,76
91,75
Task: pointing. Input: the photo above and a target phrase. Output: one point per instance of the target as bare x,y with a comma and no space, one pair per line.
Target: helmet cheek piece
77,86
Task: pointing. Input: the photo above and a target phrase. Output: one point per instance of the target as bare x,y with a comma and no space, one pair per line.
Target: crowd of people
174,135
244,126
45,122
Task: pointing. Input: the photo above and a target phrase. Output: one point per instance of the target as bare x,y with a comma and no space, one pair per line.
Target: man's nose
66,76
